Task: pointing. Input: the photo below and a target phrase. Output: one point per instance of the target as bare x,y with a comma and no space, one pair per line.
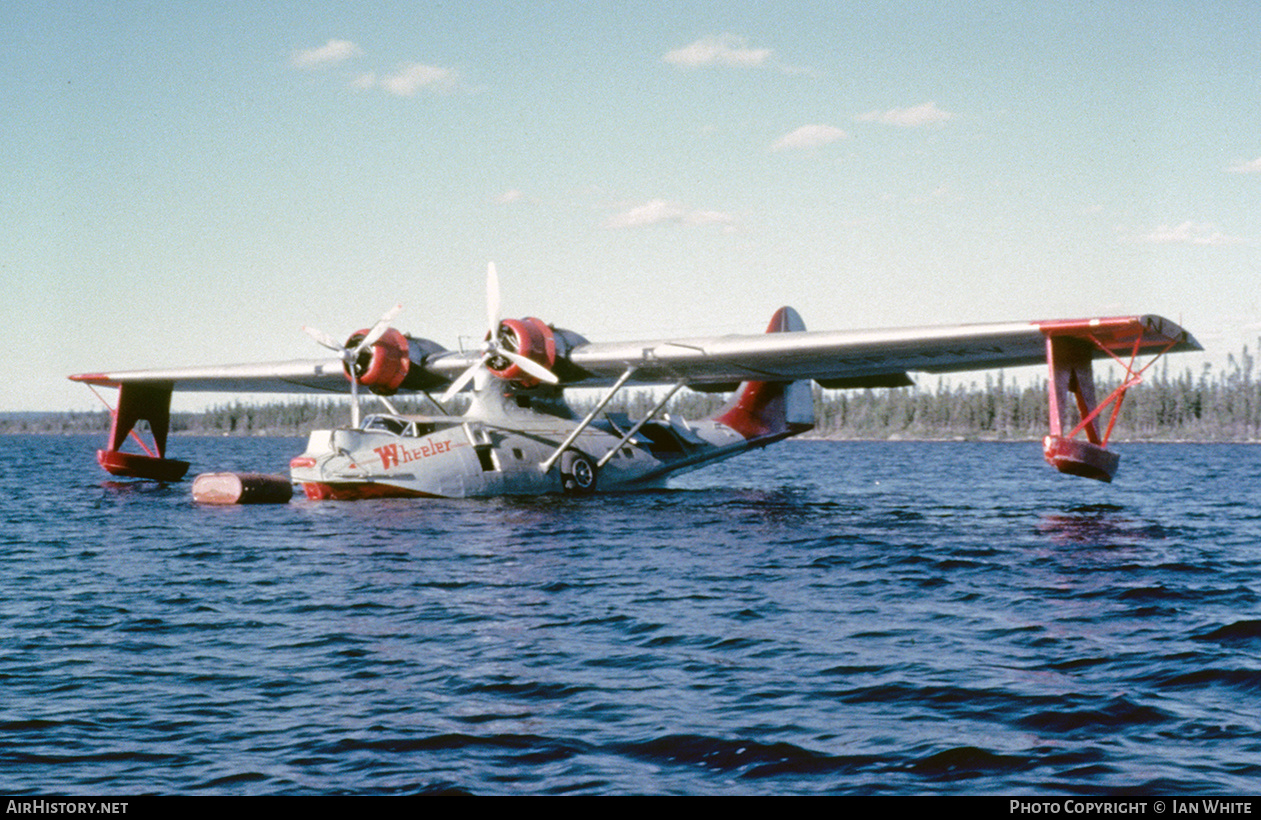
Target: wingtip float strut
1070,351
149,402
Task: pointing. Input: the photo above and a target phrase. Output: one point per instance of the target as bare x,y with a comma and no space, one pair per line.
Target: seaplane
518,435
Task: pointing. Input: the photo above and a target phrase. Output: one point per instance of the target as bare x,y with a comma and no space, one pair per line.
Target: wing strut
639,424
1069,360
586,422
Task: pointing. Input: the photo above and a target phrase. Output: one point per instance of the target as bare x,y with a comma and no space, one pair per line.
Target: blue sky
190,183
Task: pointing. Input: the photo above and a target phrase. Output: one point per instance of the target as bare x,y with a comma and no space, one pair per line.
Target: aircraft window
385,424
517,454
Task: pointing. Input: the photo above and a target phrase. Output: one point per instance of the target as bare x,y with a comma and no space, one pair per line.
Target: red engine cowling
529,337
383,367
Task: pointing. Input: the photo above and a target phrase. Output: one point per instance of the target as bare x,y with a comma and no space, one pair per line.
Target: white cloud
918,115
406,81
508,197
1190,233
808,136
331,53
413,77
723,49
1253,167
660,211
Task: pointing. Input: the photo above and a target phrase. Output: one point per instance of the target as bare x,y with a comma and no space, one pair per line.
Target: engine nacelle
529,337
394,362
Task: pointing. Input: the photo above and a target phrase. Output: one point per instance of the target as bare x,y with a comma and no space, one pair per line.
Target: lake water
873,618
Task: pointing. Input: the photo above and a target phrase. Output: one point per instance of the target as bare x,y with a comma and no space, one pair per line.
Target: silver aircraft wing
853,358
297,376
868,357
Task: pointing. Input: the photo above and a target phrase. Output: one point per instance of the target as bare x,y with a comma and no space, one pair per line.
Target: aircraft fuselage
503,449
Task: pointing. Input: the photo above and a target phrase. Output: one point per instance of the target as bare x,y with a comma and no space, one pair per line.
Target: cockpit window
385,424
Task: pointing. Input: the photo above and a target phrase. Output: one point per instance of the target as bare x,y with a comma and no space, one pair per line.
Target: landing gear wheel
577,473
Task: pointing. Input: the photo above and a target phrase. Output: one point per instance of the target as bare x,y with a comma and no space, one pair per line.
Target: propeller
493,347
350,355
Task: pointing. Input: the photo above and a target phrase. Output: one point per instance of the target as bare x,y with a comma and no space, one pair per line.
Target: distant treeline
1211,406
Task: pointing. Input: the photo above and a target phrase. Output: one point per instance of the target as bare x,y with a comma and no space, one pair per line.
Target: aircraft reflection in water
519,437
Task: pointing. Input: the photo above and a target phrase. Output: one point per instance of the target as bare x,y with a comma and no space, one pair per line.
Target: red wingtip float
519,437
139,401
1070,349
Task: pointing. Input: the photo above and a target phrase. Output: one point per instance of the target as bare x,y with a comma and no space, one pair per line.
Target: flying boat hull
395,456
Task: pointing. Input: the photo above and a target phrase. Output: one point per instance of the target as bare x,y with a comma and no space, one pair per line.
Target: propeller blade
378,330
354,399
324,339
464,378
492,300
530,366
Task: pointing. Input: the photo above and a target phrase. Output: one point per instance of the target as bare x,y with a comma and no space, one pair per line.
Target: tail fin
769,411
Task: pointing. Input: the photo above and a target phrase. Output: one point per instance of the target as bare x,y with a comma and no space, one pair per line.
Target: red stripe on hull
350,491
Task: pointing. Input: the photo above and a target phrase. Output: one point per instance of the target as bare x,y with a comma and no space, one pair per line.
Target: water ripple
818,618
